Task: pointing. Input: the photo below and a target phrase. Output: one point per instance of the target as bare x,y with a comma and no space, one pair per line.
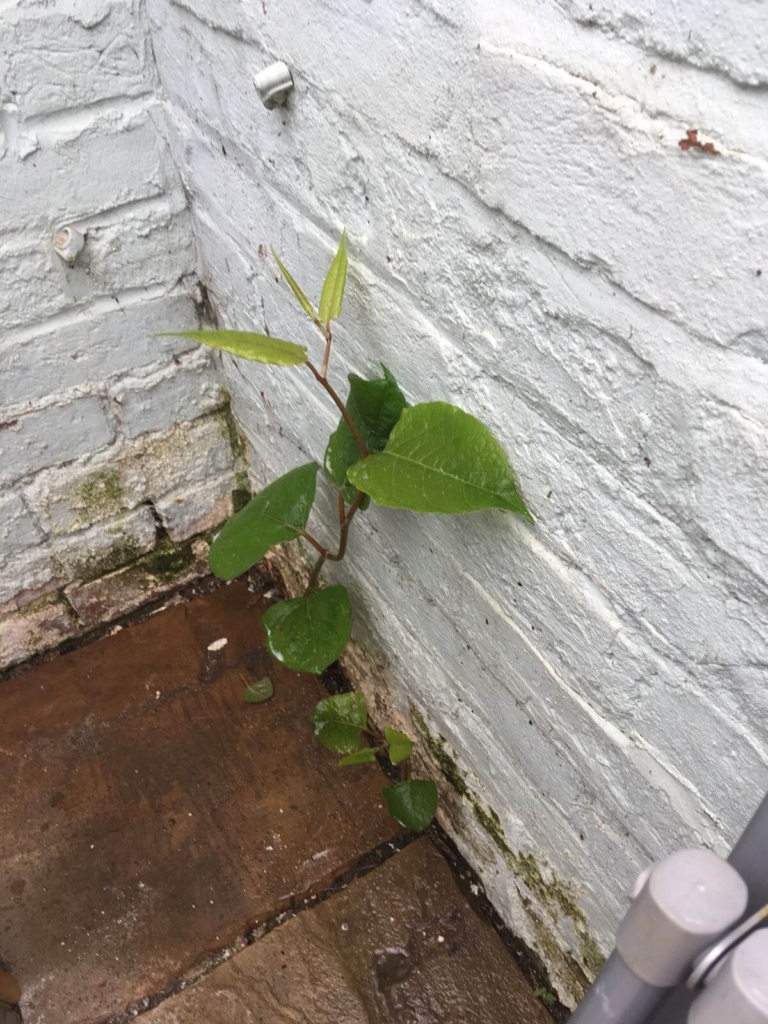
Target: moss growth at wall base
121,553
449,769
549,892
168,560
241,493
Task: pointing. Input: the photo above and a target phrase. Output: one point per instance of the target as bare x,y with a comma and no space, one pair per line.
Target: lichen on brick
99,496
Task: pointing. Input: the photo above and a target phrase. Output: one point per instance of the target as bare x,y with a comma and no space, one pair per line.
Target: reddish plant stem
328,556
327,353
342,409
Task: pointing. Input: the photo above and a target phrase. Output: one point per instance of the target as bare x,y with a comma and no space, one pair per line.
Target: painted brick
527,240
148,468
115,160
148,246
17,527
53,435
83,556
92,348
199,509
725,39
168,397
59,58
656,201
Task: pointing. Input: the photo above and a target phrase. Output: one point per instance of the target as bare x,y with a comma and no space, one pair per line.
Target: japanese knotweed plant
430,457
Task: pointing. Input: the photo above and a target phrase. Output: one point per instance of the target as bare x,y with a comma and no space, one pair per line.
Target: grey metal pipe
618,996
750,858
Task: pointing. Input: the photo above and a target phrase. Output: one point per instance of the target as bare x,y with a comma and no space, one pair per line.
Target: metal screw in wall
274,84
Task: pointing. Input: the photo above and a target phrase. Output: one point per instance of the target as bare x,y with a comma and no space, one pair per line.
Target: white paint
96,252
527,240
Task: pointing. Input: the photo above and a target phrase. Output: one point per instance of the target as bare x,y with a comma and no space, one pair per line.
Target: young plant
430,457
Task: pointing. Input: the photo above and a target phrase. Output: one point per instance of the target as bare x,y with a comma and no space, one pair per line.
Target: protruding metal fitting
684,904
68,243
738,992
273,84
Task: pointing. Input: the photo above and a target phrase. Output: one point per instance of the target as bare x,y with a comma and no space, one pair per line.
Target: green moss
240,498
241,493
553,893
571,975
168,560
100,496
121,553
550,892
231,431
589,951
449,769
490,821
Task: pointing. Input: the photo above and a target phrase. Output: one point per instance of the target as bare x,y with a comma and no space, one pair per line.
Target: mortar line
366,863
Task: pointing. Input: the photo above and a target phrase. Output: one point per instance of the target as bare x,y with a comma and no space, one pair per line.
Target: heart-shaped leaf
339,720
261,348
258,691
364,756
310,632
412,804
304,302
333,287
278,513
400,746
440,459
375,407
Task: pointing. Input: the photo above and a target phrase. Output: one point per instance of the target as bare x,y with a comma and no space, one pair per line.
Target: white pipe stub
273,84
68,243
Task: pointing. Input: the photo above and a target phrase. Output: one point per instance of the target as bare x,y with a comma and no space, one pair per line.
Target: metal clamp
706,963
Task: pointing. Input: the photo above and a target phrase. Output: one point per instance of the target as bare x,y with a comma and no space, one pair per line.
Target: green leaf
400,746
412,804
304,302
338,721
258,691
375,407
333,286
260,348
362,756
278,513
309,633
440,459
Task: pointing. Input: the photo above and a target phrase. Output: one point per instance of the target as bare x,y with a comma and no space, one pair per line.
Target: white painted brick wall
529,241
98,421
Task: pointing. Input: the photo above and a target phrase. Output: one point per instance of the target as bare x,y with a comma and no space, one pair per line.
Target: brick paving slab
150,816
399,945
